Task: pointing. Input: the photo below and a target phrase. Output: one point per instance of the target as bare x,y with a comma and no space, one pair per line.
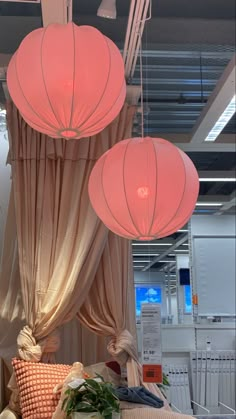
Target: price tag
151,343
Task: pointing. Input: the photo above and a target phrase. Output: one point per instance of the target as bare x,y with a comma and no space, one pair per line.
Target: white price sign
151,342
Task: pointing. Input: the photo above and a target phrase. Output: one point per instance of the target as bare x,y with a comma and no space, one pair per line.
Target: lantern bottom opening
68,133
146,238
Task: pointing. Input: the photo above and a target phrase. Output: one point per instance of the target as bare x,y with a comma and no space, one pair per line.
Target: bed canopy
64,263
61,264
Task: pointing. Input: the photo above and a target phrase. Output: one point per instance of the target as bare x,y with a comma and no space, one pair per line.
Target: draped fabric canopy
68,262
11,309
60,239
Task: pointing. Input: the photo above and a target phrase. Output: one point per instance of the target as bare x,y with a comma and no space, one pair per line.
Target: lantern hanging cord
141,82
147,87
141,64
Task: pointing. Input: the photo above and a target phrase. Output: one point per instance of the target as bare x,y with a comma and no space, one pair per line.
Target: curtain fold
105,309
60,239
11,309
84,346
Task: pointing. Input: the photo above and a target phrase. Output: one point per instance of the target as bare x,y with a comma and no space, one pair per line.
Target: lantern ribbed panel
67,81
144,188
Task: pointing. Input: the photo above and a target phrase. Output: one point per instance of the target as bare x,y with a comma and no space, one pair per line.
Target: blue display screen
188,298
146,295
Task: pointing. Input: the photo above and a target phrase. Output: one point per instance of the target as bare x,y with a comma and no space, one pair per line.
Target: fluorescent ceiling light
181,251
151,244
107,9
185,244
182,230
171,254
146,254
138,266
166,261
141,261
217,179
223,120
208,204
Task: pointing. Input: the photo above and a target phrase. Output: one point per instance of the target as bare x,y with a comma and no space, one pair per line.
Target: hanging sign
151,343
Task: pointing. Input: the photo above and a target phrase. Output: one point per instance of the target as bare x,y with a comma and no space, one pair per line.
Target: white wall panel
212,245
214,273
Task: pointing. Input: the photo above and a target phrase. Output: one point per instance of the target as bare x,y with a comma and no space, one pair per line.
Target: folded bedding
138,395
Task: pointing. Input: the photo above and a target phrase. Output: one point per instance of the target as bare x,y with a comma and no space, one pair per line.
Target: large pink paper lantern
67,81
144,188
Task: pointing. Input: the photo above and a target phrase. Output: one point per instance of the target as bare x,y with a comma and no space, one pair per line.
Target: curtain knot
31,350
28,348
122,347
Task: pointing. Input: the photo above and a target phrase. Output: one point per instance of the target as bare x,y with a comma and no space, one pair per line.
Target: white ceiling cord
138,16
107,9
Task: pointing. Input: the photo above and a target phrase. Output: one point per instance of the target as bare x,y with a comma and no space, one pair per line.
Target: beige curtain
60,239
110,301
105,308
84,345
11,309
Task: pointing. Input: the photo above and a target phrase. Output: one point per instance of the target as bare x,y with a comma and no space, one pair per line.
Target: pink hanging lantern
67,81
144,188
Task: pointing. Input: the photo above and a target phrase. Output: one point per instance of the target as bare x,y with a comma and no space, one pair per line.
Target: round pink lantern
144,188
67,81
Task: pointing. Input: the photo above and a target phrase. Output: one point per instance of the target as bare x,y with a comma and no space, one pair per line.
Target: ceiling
186,47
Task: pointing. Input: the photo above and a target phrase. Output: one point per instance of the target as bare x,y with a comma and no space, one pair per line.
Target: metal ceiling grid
177,83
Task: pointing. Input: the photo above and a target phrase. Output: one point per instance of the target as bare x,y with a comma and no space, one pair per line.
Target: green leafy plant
165,383
92,396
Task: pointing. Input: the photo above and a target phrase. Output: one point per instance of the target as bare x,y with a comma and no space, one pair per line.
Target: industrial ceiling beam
169,266
227,205
217,174
170,249
207,147
207,199
225,142
217,103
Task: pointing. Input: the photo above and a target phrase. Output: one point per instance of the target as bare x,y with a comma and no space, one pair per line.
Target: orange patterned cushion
36,382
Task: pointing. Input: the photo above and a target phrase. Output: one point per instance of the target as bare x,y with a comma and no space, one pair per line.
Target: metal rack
207,414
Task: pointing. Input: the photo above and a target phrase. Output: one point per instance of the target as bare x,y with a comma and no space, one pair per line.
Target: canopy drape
11,309
60,239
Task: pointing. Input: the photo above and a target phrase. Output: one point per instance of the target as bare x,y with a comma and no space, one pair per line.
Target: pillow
114,366
36,382
105,371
